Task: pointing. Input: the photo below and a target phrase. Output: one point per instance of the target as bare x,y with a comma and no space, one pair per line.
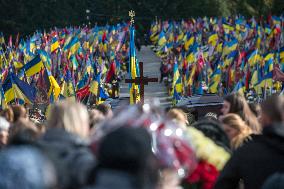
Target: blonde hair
71,116
239,105
178,115
236,122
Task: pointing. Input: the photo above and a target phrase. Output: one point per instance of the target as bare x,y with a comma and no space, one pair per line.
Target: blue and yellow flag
2,39
253,58
133,66
67,89
215,80
281,53
213,38
34,66
177,84
54,44
162,39
14,88
94,85
189,42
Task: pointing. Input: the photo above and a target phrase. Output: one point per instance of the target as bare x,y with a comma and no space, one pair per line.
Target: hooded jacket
254,162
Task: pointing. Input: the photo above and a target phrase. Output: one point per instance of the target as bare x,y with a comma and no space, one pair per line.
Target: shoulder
252,144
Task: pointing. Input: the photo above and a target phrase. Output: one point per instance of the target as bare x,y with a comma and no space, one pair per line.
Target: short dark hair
104,108
273,107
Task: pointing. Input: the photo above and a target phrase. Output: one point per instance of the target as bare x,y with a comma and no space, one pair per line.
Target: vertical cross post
141,80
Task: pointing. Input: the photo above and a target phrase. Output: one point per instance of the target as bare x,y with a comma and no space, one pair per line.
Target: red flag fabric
104,37
83,92
10,44
111,73
242,55
248,76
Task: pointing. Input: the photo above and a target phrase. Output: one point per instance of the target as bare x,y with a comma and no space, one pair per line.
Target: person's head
235,128
255,108
8,114
22,132
106,110
178,115
233,103
26,168
19,112
272,110
4,131
236,103
211,116
169,179
128,150
95,117
275,181
70,116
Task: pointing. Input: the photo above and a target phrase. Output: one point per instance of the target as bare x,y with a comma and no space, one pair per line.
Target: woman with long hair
236,103
236,129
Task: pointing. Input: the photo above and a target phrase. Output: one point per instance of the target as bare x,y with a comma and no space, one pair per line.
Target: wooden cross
141,81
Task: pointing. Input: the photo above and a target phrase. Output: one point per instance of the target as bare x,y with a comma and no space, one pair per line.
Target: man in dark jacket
254,162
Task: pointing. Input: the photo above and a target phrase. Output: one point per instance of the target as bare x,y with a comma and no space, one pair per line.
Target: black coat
70,155
255,161
112,179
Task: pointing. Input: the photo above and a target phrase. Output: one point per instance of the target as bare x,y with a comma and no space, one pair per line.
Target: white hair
4,124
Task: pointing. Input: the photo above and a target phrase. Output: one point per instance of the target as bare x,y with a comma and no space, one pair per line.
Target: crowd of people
143,147
221,55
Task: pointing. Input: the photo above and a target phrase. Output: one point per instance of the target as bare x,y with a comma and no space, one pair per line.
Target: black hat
126,149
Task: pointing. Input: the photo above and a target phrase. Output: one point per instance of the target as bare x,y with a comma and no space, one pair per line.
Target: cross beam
142,81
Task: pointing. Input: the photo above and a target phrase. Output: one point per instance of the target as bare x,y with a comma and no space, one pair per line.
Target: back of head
125,149
71,116
23,131
213,130
178,115
244,131
105,109
4,124
238,105
95,117
25,168
255,108
272,109
8,114
276,181
4,131
235,121
19,112
237,102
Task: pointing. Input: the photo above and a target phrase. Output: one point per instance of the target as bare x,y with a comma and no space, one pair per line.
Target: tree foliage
27,16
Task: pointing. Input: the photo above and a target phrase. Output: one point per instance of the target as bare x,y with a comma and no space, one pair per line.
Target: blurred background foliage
27,16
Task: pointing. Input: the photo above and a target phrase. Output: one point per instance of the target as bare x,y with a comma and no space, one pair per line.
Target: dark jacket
112,179
70,155
256,161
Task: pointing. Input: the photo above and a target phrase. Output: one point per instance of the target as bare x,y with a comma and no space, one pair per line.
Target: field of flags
82,64
222,55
